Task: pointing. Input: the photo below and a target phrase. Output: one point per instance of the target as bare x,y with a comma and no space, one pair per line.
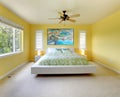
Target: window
39,40
10,39
82,40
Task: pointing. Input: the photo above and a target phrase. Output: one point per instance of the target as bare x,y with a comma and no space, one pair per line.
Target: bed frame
70,69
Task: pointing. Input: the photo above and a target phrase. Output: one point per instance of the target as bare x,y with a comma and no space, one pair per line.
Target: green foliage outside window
10,39
6,40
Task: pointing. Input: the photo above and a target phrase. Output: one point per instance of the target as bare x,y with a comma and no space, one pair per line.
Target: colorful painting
60,37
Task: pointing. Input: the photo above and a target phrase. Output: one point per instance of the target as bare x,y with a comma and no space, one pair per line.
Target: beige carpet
104,83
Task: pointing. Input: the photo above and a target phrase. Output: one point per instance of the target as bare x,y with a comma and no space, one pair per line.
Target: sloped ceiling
38,11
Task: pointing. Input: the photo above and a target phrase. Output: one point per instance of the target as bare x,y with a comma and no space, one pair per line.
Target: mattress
66,69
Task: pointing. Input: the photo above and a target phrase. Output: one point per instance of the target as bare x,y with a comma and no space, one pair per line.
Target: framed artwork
60,36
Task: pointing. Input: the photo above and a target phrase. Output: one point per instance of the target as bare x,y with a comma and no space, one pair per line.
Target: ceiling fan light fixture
65,17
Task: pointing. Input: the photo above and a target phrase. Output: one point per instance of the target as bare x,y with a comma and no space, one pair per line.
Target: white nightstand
37,57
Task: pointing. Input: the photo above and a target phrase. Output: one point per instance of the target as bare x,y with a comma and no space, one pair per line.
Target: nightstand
37,57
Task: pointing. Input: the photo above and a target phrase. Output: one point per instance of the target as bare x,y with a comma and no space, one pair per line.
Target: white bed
80,69
63,69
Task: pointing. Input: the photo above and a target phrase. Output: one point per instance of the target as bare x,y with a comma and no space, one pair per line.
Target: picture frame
60,36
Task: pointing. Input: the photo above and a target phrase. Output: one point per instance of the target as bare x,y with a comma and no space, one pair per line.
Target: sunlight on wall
106,41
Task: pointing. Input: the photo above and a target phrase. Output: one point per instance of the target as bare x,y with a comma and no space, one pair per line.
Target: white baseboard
106,66
13,70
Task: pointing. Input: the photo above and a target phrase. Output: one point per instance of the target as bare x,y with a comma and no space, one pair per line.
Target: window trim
10,23
13,27
10,54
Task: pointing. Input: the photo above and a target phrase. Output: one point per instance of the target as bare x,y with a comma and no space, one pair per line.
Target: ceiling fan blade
53,18
76,15
60,13
72,20
60,21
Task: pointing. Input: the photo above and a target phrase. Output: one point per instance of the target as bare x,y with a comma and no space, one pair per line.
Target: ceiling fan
66,17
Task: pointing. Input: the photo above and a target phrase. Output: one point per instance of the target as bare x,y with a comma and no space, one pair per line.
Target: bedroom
102,37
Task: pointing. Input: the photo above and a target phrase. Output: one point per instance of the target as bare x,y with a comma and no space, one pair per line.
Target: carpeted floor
104,83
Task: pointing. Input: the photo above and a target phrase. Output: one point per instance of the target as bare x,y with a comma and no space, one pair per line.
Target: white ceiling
38,11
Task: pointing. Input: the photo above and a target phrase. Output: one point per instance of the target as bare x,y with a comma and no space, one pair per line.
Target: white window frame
15,26
39,31
85,41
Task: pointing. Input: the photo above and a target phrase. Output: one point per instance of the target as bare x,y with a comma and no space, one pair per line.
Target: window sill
10,54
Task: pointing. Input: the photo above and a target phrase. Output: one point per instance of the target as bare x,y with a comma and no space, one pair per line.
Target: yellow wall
106,41
103,40
10,62
76,28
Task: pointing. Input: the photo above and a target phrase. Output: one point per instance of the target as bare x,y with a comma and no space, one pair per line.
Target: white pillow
68,49
71,49
51,50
